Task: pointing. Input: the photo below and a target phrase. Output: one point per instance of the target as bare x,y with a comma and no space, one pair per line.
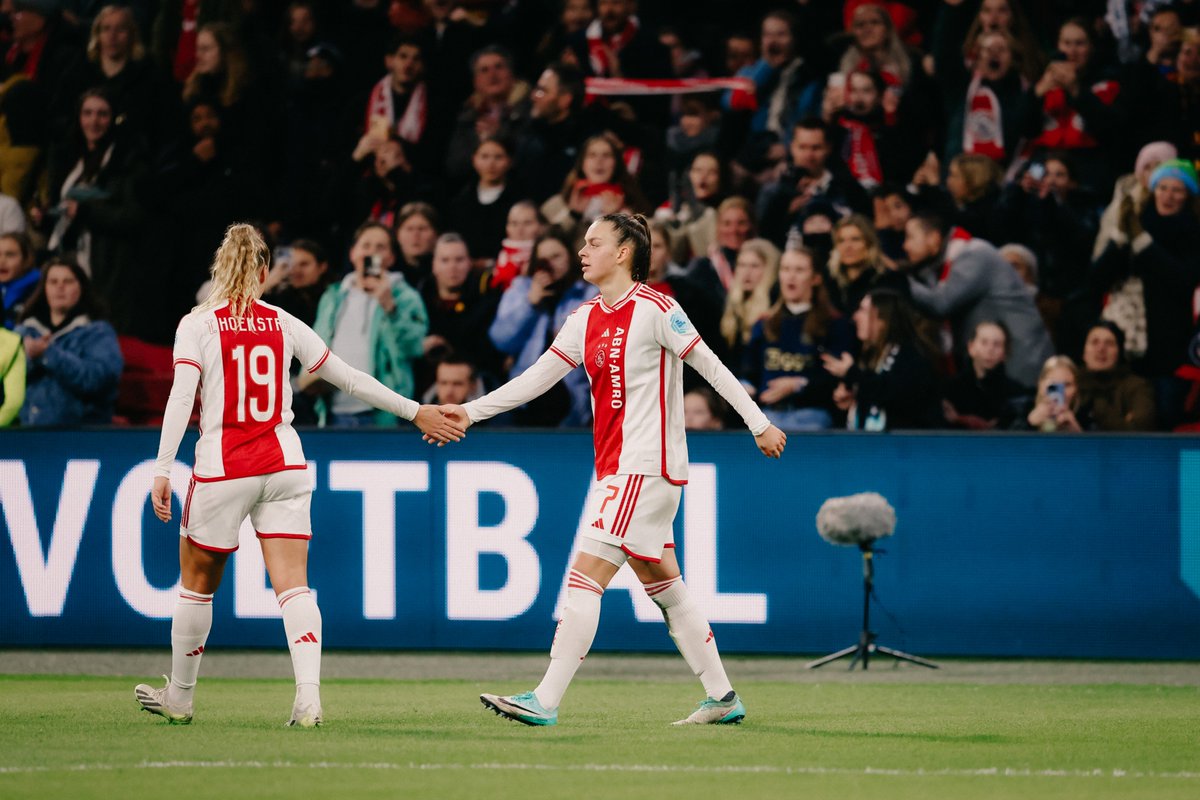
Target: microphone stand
866,638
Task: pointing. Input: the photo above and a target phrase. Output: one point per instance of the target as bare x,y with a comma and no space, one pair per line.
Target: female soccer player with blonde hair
249,462
631,341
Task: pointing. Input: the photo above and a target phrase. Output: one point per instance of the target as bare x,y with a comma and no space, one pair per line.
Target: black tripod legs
862,652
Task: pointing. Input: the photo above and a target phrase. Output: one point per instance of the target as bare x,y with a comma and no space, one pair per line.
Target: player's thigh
654,572
214,510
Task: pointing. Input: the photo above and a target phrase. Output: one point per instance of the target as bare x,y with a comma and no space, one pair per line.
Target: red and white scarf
741,90
597,43
860,153
411,125
514,257
1063,126
983,129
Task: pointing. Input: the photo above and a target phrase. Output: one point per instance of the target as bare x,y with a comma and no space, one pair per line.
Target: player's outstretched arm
439,427
366,388
771,442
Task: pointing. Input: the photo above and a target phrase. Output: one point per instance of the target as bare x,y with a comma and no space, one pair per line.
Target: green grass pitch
84,737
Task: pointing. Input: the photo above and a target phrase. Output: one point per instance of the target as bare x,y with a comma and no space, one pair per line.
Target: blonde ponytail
235,270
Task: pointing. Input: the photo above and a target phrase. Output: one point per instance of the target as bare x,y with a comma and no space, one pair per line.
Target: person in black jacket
893,385
461,306
812,175
982,396
479,213
1159,246
141,93
95,206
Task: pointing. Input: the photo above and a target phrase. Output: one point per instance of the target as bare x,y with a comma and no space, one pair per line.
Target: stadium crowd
882,214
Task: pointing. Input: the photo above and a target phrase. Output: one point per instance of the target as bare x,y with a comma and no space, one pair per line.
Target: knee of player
665,593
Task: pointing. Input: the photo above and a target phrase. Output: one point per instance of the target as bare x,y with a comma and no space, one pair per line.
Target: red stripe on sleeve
688,349
563,356
653,298
187,361
317,365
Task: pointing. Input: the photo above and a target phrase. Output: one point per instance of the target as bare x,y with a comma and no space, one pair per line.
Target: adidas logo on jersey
599,523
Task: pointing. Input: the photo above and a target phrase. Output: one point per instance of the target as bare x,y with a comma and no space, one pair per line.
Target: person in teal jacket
376,322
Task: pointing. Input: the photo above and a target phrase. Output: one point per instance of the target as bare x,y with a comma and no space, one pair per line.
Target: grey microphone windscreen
856,519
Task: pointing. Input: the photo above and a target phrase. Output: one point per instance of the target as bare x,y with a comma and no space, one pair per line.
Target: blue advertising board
1006,545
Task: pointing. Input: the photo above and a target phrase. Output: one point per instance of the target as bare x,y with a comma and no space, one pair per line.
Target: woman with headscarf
1119,400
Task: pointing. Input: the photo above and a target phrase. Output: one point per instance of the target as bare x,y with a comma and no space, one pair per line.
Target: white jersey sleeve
186,357
702,359
676,332
311,351
568,344
187,348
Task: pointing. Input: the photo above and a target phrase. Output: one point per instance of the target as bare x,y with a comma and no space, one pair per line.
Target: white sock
189,631
572,639
302,623
694,638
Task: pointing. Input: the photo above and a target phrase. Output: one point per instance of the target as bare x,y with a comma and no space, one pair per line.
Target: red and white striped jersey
245,391
632,352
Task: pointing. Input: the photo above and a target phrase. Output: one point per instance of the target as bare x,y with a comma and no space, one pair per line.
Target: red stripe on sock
660,588
283,601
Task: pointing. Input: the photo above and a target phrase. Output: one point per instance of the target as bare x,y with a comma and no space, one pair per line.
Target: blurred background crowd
882,214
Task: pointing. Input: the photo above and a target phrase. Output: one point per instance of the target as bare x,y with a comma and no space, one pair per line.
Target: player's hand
457,415
438,427
160,498
771,442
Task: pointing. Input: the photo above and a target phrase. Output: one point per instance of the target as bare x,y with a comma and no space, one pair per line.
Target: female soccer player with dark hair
632,341
249,463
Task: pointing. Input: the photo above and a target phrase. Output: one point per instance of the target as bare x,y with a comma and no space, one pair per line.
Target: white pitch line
767,769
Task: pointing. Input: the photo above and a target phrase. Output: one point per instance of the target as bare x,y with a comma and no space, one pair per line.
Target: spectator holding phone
376,322
303,275
535,307
1058,406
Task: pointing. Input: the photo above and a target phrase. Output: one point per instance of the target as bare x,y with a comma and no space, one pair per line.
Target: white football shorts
277,503
635,513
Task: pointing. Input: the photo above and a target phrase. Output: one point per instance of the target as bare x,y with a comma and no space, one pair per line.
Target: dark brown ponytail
633,228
